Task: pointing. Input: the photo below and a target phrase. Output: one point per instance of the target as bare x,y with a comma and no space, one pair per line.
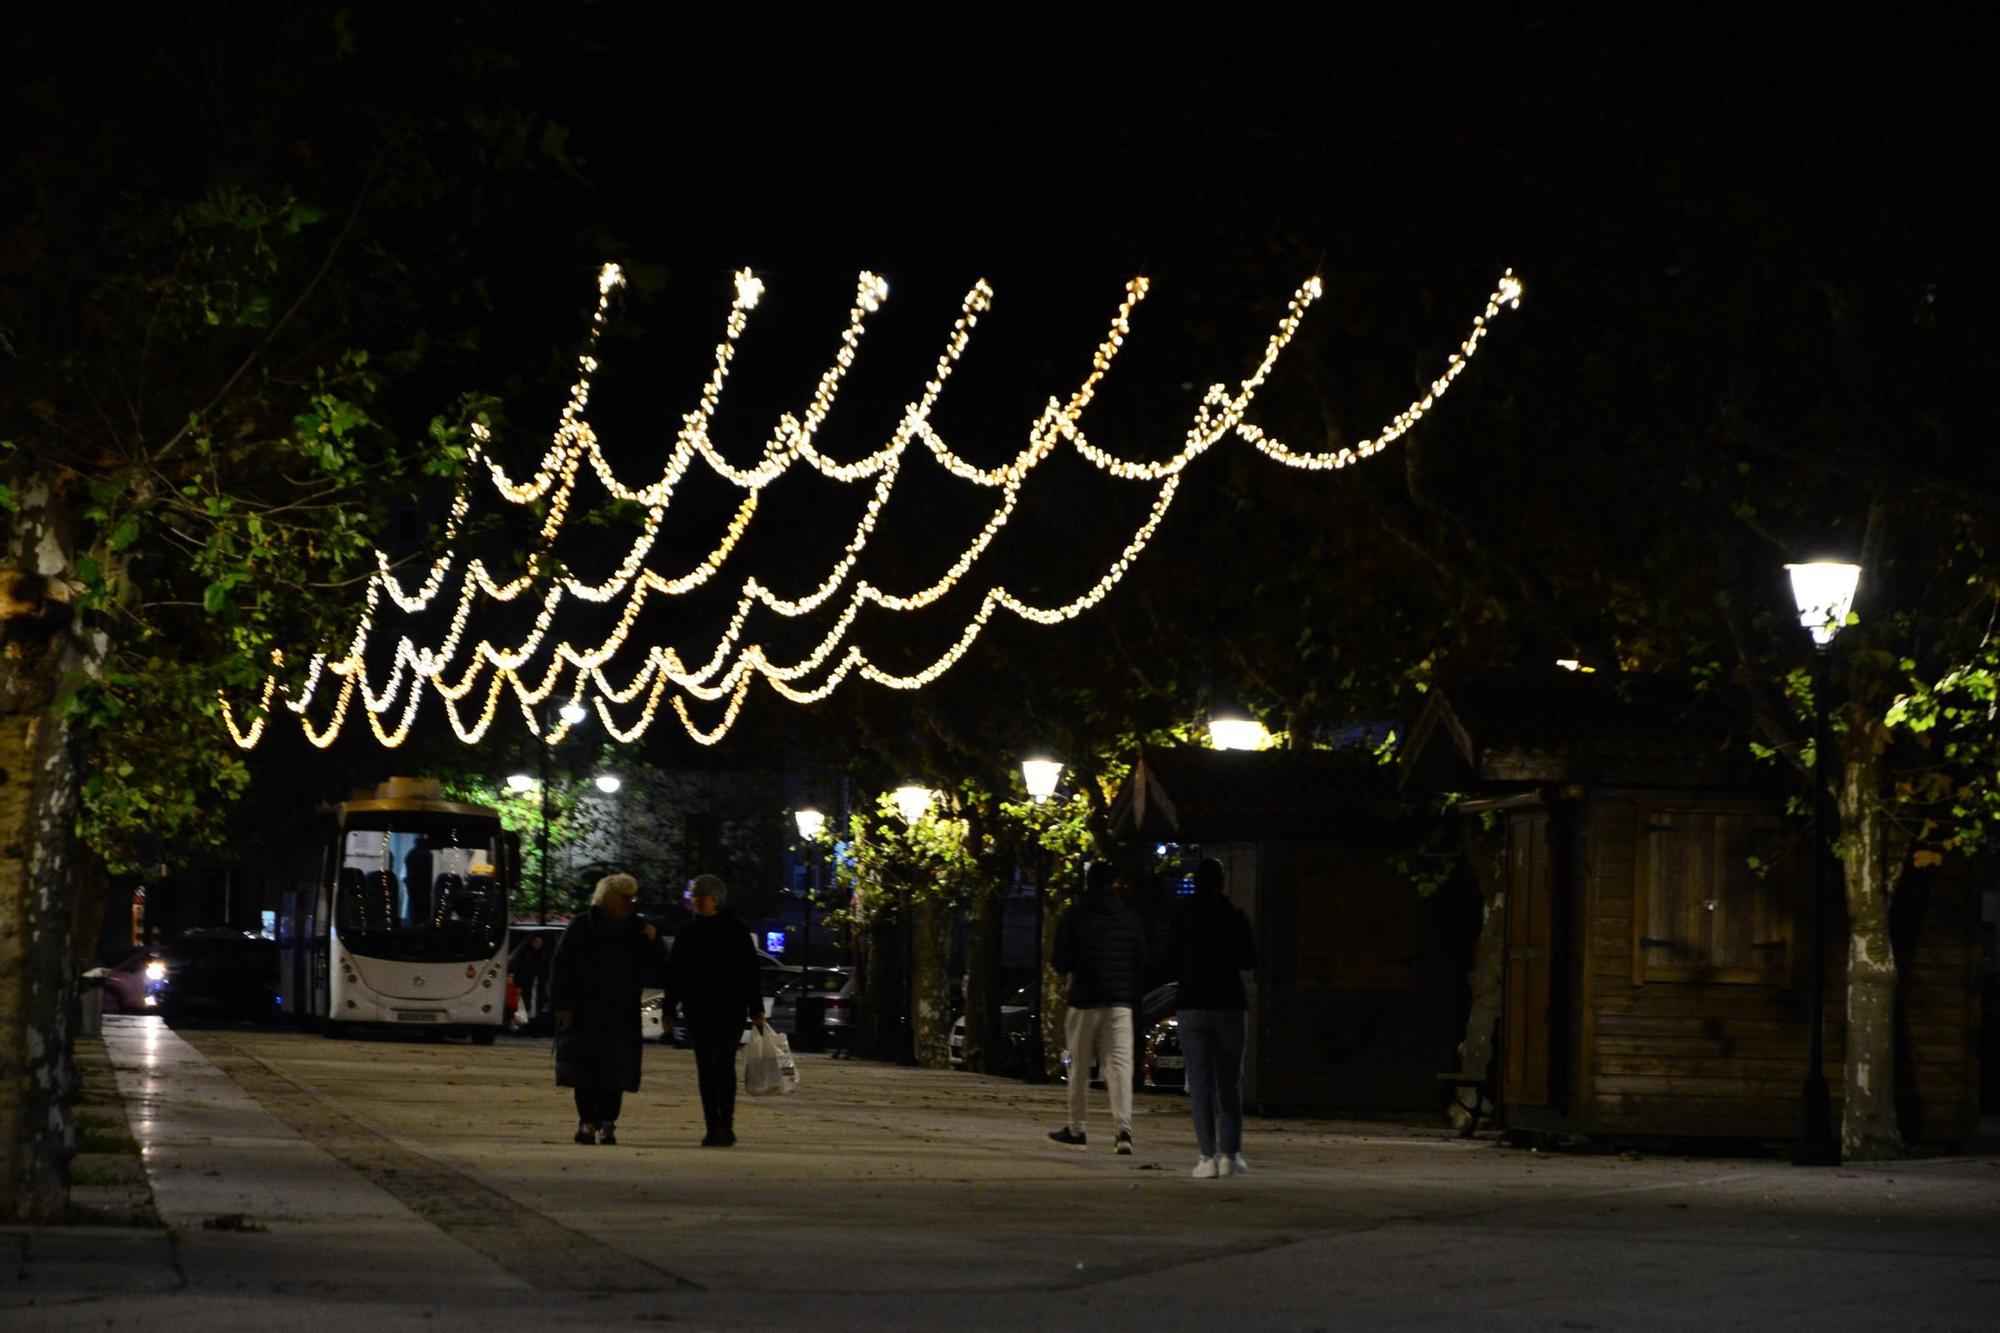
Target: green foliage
1951,803
233,326
890,865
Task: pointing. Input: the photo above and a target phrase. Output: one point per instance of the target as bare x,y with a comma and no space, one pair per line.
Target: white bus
401,917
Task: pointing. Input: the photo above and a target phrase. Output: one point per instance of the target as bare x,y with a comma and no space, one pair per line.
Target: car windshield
420,890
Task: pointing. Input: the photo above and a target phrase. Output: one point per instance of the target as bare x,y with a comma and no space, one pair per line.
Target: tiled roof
1188,794
1576,727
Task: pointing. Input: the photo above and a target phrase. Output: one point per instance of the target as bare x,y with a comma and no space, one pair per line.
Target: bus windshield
420,891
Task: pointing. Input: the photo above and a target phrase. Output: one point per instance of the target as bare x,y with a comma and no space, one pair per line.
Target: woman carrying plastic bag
768,1067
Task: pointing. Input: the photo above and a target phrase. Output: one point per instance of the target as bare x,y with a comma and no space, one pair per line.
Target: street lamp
811,824
573,713
1041,775
1823,592
912,801
608,783
1232,729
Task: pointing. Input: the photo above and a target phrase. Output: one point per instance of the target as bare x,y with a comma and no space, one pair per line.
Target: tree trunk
985,1044
1872,857
882,993
39,653
931,985
1054,1008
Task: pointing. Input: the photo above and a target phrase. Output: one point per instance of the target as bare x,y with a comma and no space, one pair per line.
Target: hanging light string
728,672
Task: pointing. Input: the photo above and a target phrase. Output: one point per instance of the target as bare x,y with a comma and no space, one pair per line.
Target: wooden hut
1356,1001
1645,892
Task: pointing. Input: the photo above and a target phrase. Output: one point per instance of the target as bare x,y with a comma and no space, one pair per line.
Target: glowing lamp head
607,783
156,970
1233,731
1823,590
1041,775
810,821
912,801
573,712
519,782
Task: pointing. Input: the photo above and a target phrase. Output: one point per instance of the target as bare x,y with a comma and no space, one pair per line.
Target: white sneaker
1223,1166
1237,1166
1205,1169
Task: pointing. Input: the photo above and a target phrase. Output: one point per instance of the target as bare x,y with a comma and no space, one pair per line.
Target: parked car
1161,1062
832,991
1016,1021
132,987
219,973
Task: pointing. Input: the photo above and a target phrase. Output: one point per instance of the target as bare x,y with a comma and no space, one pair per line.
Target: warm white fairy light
729,670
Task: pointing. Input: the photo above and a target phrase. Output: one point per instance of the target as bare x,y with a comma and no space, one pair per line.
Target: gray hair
621,884
709,886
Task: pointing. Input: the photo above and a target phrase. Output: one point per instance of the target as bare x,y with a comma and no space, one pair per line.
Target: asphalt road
420,1185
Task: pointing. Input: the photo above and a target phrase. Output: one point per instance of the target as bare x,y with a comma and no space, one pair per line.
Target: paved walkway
396,1184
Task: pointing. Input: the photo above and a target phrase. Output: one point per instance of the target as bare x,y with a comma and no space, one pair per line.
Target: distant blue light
774,941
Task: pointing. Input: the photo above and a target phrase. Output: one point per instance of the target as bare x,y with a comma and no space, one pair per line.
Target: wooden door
1528,1023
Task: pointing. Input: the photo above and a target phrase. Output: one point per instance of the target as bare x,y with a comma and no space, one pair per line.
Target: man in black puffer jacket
1101,947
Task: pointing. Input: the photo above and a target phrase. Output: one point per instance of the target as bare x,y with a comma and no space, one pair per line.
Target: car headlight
156,971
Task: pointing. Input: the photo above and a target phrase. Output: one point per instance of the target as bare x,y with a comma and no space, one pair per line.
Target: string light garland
727,672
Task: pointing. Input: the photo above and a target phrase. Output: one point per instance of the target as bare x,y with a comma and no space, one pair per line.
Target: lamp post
810,823
573,713
1041,774
912,801
1823,592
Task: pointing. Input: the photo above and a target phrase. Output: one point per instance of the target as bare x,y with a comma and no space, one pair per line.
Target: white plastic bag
768,1067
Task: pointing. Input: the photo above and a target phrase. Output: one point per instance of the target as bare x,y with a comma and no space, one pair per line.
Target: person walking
712,975
531,974
1212,946
1101,947
594,987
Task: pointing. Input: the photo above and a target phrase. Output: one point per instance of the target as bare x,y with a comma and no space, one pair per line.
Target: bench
1483,1108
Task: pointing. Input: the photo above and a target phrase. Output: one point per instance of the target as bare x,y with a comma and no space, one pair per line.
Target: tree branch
312,284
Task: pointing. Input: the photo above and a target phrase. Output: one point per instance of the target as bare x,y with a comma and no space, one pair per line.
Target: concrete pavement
412,1184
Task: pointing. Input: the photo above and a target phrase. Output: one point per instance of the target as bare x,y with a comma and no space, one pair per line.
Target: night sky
1635,168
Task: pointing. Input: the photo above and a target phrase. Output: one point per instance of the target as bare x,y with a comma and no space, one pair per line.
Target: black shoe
608,1136
586,1133
1067,1137
1123,1146
726,1139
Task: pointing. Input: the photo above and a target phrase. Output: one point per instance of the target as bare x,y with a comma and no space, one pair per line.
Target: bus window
423,893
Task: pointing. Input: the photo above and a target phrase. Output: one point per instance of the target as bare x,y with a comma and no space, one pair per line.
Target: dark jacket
712,974
1211,948
1102,948
595,976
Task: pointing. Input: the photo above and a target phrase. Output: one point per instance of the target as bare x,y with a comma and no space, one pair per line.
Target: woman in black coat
594,986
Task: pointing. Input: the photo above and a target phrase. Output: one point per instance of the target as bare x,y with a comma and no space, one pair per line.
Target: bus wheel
485,1036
